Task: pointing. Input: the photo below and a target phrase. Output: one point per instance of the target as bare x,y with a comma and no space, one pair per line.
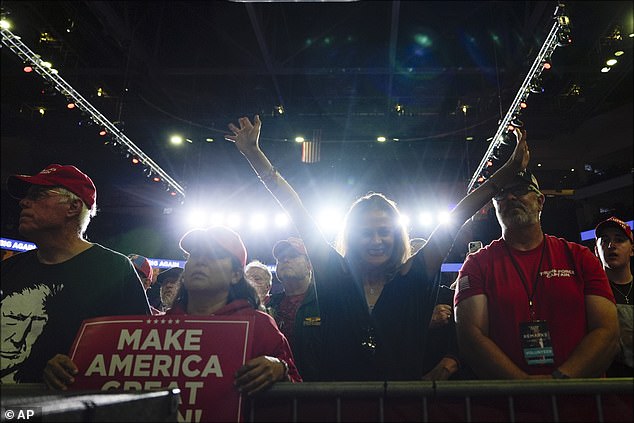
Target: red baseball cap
295,243
142,264
614,223
56,175
215,235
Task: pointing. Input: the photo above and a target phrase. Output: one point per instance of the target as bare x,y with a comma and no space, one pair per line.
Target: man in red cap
48,291
615,248
295,309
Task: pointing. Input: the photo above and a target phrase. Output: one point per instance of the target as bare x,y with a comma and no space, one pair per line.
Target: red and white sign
198,355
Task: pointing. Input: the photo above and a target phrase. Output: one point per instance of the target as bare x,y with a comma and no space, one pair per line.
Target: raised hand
247,136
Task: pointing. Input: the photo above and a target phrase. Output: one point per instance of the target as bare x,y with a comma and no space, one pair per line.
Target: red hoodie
267,338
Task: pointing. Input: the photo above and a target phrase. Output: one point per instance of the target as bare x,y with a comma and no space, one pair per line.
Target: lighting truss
557,36
14,43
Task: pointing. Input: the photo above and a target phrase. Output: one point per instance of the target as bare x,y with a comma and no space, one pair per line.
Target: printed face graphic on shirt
23,319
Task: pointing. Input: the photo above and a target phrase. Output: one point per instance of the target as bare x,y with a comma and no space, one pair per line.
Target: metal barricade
597,400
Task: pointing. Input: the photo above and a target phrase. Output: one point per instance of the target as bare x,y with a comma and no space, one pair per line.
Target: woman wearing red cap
213,284
375,299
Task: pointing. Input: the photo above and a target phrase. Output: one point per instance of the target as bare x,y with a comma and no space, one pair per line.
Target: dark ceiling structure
433,78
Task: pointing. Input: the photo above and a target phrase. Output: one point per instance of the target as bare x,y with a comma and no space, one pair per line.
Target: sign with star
198,355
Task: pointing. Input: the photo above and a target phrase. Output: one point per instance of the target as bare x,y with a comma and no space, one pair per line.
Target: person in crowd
259,275
530,305
295,309
375,299
169,282
213,283
48,291
615,247
144,269
441,359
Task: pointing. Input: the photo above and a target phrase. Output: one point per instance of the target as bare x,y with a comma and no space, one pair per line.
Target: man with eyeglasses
530,305
63,281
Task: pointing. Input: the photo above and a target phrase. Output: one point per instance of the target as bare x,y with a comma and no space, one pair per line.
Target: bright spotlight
443,217
381,139
216,219
611,62
426,219
299,139
176,139
196,218
605,69
5,24
257,222
234,221
329,221
404,220
282,220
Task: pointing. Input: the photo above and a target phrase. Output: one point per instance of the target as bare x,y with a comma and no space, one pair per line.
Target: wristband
285,364
557,374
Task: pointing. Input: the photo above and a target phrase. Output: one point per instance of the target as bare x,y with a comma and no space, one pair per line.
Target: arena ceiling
342,72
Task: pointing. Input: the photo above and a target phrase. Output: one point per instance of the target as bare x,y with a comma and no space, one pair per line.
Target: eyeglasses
517,191
38,193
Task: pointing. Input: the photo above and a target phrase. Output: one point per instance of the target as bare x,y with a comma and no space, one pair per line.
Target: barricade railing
596,400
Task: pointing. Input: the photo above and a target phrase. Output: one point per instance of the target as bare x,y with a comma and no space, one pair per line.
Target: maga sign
198,355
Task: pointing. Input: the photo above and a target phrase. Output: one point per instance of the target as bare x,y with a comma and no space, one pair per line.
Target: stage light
563,37
299,139
196,218
279,109
619,53
100,92
70,105
257,222
234,220
399,109
605,69
41,111
539,165
282,220
28,69
46,64
611,62
425,219
404,220
381,139
54,71
547,63
135,160
209,139
469,138
523,105
5,24
536,85
156,179
103,132
176,139
444,217
216,218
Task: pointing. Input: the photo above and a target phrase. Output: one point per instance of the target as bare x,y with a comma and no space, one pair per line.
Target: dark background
338,68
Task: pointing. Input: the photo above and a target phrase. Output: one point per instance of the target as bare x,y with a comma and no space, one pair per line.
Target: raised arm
246,138
442,238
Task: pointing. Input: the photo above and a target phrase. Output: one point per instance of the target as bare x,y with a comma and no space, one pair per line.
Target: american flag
311,150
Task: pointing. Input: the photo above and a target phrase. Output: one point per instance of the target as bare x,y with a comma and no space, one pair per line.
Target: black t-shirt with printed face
44,305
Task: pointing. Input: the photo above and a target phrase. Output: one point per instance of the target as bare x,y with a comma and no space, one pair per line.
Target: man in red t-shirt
530,305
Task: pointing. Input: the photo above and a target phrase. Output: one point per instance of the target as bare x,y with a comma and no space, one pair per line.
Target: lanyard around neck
530,294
